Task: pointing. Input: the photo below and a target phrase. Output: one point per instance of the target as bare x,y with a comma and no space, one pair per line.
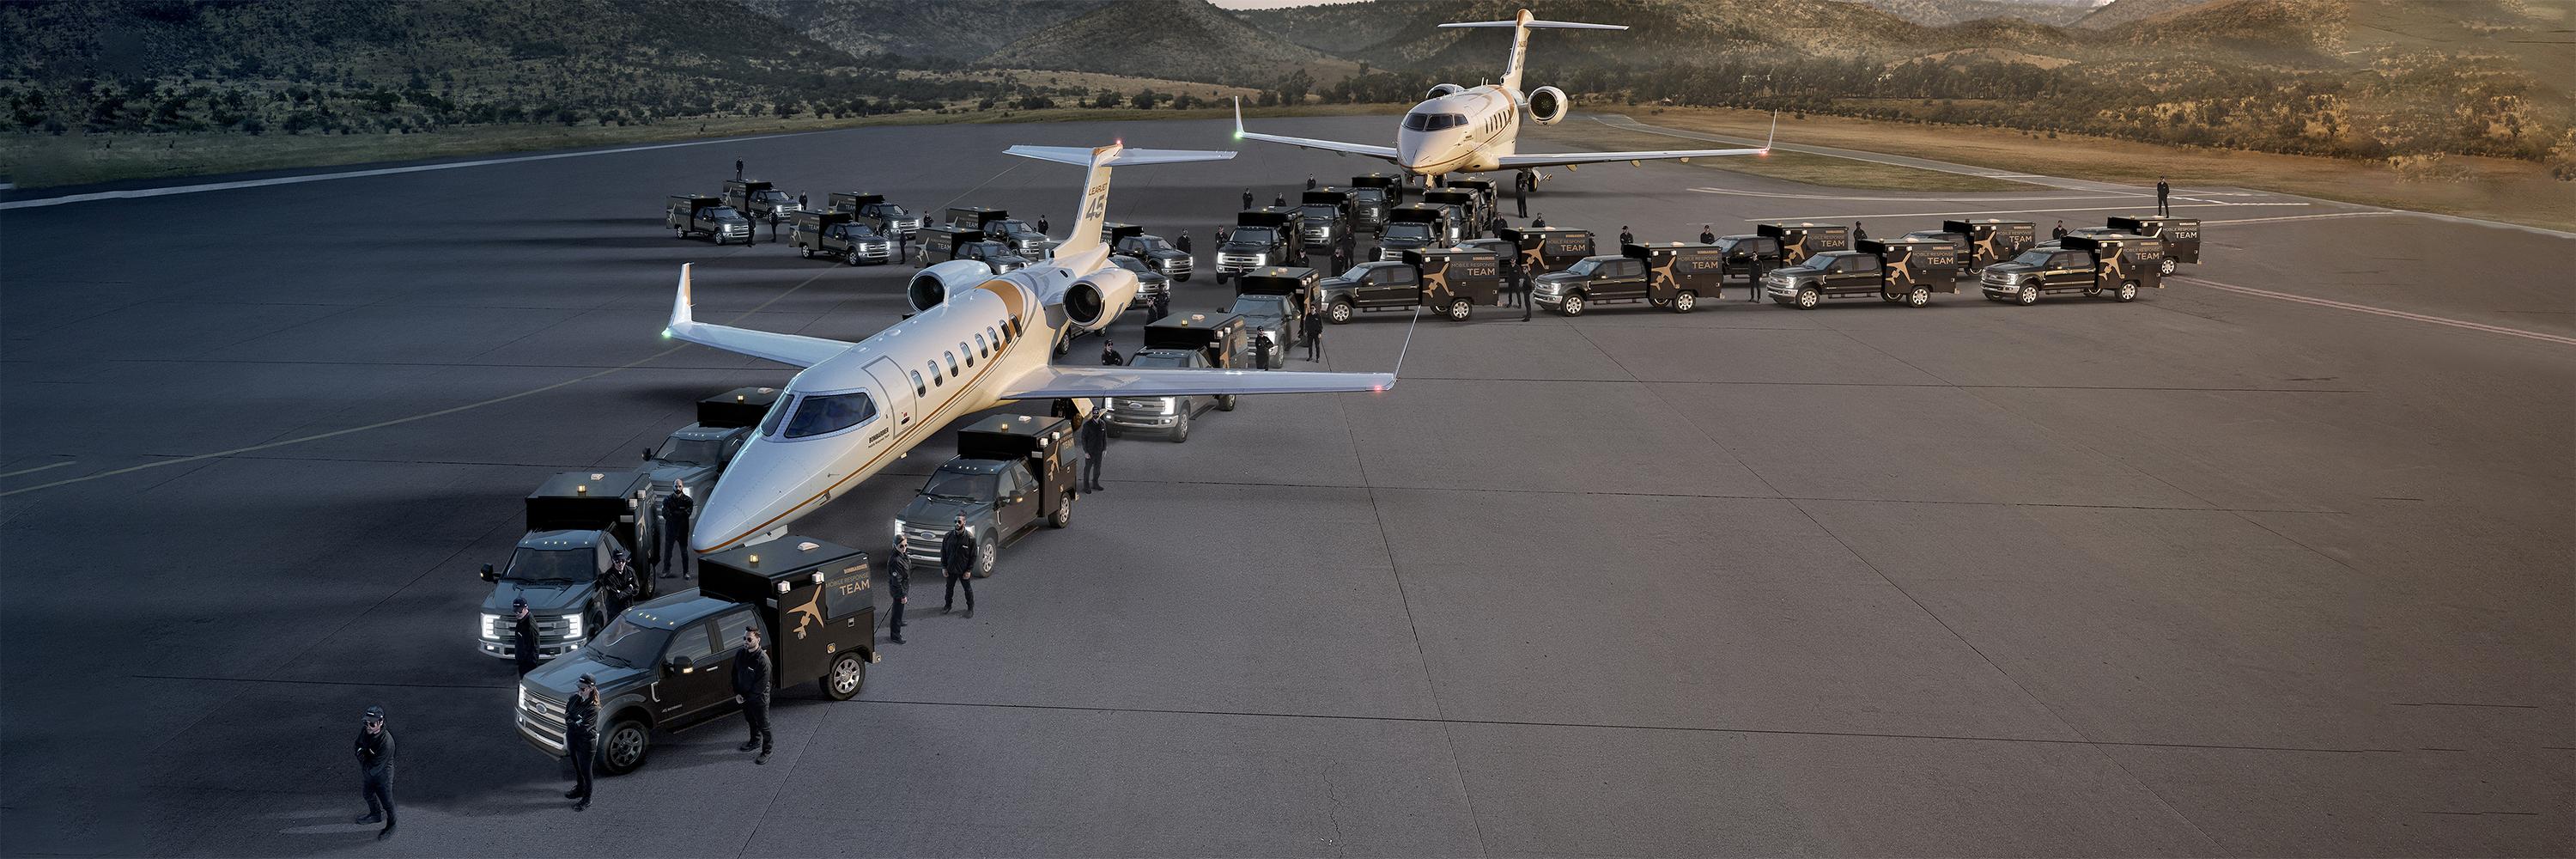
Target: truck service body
689,215
1449,281
2119,264
667,664
940,244
697,453
873,210
1131,240
1546,250
575,520
997,225
1483,189
1413,227
1324,224
1011,474
1466,213
1261,237
760,200
838,234
2181,238
1802,240
1896,270
1992,240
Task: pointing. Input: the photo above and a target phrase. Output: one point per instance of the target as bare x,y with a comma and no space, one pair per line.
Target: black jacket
898,578
677,506
376,753
1860,235
1109,358
1182,243
1314,325
1627,239
751,677
581,722
1094,437
957,554
1708,238
524,635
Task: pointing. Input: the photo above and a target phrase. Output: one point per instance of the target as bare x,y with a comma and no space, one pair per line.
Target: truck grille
542,719
921,546
905,225
1237,262
1177,267
1143,406
552,630
878,251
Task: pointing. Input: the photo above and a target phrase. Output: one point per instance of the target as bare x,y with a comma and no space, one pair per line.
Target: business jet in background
1463,130
977,340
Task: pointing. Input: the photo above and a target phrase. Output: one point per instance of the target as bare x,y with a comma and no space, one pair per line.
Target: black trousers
1315,346
583,759
379,790
1091,470
894,625
755,712
969,581
675,543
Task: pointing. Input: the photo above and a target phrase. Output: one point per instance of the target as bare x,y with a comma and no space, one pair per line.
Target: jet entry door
900,400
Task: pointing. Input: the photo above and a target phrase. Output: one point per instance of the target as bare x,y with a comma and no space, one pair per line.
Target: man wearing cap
376,770
676,508
751,690
898,586
617,586
523,636
1109,356
1094,436
957,559
1707,234
1625,237
581,736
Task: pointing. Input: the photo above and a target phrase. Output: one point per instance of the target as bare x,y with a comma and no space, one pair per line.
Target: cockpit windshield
1433,121
829,413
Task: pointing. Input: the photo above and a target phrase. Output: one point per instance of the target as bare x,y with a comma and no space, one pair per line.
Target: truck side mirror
489,575
681,664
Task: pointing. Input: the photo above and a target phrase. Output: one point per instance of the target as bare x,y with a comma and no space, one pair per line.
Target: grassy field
1824,170
2518,192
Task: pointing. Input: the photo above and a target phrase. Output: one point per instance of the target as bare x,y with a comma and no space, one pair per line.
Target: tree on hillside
1144,99
1293,88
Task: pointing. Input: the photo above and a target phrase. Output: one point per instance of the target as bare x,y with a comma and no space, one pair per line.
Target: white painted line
2304,217
40,468
2382,311
1912,199
2015,211
139,193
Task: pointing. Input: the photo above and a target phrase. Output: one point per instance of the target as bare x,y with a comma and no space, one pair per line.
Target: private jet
1463,130
977,340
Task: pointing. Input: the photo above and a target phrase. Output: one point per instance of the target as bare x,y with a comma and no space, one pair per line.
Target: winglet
1775,133
681,317
1238,117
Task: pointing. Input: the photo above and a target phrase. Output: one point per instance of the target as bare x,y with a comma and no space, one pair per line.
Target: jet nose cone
754,496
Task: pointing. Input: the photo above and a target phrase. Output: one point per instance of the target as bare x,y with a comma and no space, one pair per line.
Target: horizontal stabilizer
1560,25
1083,156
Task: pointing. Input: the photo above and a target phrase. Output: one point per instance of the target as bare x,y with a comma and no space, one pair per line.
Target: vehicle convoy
576,521
697,453
1748,255
690,215
1372,196
1324,225
1150,284
667,664
1449,282
1011,473
838,234
1273,302
1487,201
1261,237
1906,270
1802,240
1546,250
1991,240
1130,240
2181,238
1192,341
760,200
1413,227
940,244
998,225
1671,276
2090,264
1466,215
873,210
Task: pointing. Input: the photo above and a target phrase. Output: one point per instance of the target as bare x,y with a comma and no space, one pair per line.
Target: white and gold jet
977,341
1463,130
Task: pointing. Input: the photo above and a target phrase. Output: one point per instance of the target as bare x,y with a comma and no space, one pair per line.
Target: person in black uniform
1247,198
1109,354
957,559
1707,234
523,636
737,168
1540,222
1497,225
1261,350
676,509
1095,442
618,586
581,739
1521,183
1162,304
898,585
2059,231
1042,223
1310,181
1859,234
1314,337
1279,200
1527,283
1625,237
2163,191
376,770
1183,243
751,689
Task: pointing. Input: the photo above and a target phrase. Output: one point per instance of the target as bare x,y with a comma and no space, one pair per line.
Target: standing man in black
751,689
1859,234
1182,243
1310,181
1109,353
1314,336
1625,237
957,559
1261,350
1521,183
1707,234
376,770
581,739
676,509
1497,225
2163,192
2059,231
1094,436
898,586
1042,223
523,636
618,586
1527,283
1247,198
1279,201
1162,304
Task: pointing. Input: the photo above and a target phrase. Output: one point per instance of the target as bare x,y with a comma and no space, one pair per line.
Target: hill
1942,13
2118,12
953,30
1187,40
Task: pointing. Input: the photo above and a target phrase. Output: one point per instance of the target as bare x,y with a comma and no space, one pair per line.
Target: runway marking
2382,311
2009,211
2305,217
139,193
2104,196
41,468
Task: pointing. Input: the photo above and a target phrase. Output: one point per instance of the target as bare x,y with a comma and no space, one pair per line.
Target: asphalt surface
2224,571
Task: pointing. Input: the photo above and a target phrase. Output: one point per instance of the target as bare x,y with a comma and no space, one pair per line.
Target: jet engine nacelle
1546,105
935,284
1444,89
1094,300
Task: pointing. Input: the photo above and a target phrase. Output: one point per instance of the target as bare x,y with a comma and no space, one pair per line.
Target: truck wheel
849,672
1182,279
1808,298
852,258
623,748
1920,296
2027,295
1573,305
1181,429
805,252
1459,310
679,232
2167,265
1225,403
1685,301
987,556
1063,516
2128,290
1340,313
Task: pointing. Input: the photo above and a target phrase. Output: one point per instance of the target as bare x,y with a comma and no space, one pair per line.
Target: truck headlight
572,625
491,627
1170,405
523,697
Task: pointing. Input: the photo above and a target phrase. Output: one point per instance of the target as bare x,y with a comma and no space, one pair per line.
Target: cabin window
917,388
969,353
997,337
822,415
979,347
934,374
952,364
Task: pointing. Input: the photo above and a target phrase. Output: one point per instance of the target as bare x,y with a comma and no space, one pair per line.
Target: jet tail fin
1521,24
1095,186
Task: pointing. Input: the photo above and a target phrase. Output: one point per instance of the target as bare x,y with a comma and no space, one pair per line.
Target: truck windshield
1151,244
1320,212
553,566
692,451
718,212
1254,235
960,485
1408,230
1011,227
771,195
1129,263
1160,358
1261,305
1369,195
627,644
887,210
1587,266
2034,259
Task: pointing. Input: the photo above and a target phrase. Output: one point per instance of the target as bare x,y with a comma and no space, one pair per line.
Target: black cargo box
740,407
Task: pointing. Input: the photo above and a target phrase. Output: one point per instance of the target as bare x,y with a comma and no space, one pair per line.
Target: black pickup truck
1448,281
1011,474
840,235
2181,238
1324,225
760,200
1898,271
576,520
689,215
1413,227
874,211
667,664
1131,240
1801,240
2089,264
1261,237
940,244
1991,240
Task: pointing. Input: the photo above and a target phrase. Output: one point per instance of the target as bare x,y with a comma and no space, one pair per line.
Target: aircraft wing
1058,381
1384,152
794,349
1560,159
